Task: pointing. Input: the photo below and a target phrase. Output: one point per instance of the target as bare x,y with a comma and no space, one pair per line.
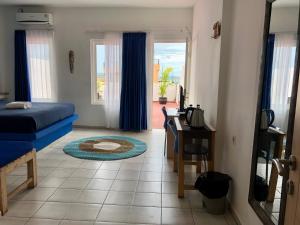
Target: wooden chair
194,152
30,159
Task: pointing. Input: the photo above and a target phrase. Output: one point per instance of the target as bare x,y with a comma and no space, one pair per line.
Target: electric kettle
195,116
266,119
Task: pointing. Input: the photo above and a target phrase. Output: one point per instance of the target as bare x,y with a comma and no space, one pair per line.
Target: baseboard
93,127
233,213
103,128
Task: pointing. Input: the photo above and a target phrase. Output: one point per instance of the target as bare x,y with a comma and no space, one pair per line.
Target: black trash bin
214,186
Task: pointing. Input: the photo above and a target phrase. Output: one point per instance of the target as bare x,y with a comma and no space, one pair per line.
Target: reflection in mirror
275,105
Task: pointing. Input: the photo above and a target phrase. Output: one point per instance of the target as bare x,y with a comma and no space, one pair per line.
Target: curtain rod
37,28
99,30
284,32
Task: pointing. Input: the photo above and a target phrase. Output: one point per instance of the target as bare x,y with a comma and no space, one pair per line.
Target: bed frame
20,153
30,159
44,137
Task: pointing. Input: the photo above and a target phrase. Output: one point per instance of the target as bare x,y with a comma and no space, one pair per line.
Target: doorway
169,71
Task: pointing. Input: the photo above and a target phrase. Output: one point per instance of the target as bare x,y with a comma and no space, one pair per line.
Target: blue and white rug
105,148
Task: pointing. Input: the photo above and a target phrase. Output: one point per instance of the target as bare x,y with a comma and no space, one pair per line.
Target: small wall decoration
217,30
71,61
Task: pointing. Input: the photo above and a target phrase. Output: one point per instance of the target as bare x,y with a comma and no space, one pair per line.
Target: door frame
187,60
288,150
288,201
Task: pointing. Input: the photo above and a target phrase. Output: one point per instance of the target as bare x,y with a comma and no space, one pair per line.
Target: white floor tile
119,198
92,196
53,210
148,186
100,184
65,195
13,221
23,208
35,221
76,183
124,185
85,212
147,199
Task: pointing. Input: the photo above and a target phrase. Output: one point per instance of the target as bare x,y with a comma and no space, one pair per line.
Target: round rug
105,148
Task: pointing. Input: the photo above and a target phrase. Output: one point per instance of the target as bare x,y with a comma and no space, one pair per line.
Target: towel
18,105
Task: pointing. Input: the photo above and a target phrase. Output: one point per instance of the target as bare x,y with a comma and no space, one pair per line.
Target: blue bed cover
40,116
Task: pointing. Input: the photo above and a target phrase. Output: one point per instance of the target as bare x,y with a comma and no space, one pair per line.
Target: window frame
93,58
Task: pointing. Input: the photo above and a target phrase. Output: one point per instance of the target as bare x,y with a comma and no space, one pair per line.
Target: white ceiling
284,3
104,3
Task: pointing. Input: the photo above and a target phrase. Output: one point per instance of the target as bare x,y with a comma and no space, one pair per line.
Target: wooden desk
185,134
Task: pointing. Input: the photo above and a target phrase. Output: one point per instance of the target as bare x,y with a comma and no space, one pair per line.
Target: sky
171,55
100,51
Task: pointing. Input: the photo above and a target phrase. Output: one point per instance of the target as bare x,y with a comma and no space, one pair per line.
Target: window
97,70
39,44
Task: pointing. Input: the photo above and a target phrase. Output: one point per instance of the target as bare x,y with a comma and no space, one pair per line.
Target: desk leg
180,167
175,162
199,164
212,152
170,143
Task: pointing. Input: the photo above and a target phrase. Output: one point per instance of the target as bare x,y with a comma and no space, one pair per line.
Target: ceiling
104,3
284,3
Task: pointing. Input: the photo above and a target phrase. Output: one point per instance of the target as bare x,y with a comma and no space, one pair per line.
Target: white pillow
18,105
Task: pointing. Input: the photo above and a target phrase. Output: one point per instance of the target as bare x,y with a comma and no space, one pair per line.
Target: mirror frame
254,204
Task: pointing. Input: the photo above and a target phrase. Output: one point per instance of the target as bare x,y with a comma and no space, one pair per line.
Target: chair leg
165,143
180,178
3,192
199,163
205,163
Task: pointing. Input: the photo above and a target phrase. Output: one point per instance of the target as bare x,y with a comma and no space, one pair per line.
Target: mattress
40,116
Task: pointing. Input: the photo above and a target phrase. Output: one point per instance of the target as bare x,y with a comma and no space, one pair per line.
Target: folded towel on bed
18,105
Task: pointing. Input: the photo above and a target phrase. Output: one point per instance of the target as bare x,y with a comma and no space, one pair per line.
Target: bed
25,131
40,125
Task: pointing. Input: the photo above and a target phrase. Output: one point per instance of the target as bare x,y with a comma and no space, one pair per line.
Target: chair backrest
163,109
172,126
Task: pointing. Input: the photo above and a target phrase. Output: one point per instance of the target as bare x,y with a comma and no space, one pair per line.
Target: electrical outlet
233,140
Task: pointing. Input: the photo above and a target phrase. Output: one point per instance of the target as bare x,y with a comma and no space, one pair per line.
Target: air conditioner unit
34,18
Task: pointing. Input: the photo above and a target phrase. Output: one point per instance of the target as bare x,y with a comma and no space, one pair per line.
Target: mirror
267,193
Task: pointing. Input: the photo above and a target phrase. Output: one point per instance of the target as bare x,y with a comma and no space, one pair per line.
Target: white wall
243,22
6,48
284,19
204,80
74,27
225,78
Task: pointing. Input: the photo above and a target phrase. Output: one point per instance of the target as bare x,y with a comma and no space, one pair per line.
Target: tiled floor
139,190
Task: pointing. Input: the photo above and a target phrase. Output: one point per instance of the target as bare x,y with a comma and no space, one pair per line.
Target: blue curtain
267,81
133,108
22,86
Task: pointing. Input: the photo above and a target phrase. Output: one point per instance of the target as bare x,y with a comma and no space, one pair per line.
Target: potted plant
163,85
